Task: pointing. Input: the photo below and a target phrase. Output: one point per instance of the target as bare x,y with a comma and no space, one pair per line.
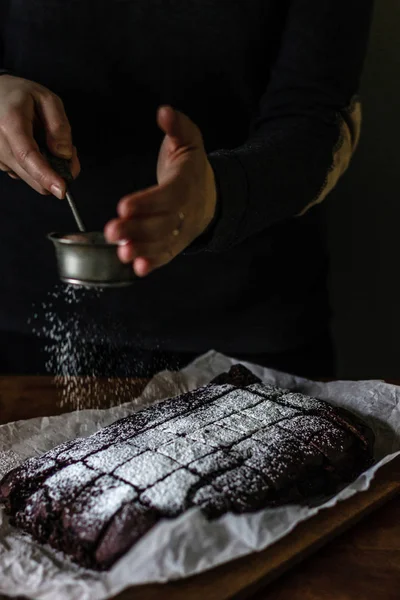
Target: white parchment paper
189,544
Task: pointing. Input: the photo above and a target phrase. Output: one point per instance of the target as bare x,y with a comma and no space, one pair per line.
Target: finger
25,152
129,251
75,168
145,229
75,164
7,170
20,173
180,129
56,124
144,266
126,252
146,257
153,201
14,171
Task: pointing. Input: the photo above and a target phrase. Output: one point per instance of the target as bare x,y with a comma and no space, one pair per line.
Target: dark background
364,219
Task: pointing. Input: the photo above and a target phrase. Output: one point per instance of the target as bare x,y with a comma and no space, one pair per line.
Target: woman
206,131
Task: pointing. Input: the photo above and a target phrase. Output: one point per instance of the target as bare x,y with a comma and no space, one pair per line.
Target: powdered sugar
170,496
145,469
185,451
78,347
217,436
66,483
269,412
95,506
107,460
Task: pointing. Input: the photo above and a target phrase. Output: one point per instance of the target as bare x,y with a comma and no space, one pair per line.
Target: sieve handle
72,205
62,167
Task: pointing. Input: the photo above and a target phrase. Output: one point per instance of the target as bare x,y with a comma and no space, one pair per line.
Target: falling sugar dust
91,365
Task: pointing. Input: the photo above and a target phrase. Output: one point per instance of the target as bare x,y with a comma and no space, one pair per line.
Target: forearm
4,7
289,166
307,127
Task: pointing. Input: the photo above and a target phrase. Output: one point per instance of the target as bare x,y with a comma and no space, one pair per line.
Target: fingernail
57,191
64,150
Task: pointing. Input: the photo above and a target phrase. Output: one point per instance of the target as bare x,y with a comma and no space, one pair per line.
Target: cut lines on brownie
311,406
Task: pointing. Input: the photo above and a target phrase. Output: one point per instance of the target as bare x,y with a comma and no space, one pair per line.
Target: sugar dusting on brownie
170,496
110,459
87,514
146,469
235,445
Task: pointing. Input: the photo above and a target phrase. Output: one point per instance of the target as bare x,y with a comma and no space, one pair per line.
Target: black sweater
270,83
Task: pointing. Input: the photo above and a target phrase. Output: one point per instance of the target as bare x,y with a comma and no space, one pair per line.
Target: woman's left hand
159,222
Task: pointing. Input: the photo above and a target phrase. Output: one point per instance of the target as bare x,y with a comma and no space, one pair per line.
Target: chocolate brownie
234,445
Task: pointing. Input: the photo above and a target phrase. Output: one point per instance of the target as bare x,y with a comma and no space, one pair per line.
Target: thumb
56,125
179,128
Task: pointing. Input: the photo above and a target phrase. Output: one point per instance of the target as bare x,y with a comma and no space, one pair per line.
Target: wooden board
240,579
363,563
28,397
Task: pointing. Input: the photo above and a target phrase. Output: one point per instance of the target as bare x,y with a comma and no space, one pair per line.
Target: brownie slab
236,445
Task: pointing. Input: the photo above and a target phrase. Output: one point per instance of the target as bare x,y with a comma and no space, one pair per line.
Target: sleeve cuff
232,191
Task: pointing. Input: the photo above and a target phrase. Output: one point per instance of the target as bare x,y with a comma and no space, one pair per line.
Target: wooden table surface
362,564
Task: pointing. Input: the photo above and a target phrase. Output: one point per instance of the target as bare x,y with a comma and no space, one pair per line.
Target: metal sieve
87,259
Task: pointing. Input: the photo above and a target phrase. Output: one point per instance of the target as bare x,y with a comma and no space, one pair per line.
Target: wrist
211,197
213,211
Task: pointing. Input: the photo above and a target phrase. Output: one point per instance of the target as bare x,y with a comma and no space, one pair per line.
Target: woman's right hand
25,105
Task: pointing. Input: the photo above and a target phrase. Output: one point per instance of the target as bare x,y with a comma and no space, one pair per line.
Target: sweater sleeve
307,126
2,25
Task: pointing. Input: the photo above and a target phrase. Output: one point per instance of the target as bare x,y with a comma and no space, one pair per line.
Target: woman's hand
25,105
159,222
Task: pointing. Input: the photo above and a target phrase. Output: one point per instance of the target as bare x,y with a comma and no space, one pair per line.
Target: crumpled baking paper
189,544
